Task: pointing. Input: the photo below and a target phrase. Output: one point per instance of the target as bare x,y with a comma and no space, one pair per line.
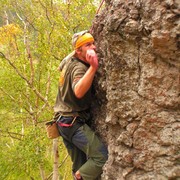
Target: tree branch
13,135
46,10
6,17
52,29
44,99
9,95
63,161
14,67
26,42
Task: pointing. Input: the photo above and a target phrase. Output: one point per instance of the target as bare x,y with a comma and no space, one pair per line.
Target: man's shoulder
75,65
79,62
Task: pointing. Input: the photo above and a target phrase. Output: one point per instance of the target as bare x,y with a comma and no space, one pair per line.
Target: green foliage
35,36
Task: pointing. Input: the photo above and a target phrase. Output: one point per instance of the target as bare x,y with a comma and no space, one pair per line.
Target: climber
78,69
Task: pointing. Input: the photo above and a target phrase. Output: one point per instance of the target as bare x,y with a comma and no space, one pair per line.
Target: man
73,102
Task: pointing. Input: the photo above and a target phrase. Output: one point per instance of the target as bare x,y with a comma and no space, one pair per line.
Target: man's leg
86,140
78,157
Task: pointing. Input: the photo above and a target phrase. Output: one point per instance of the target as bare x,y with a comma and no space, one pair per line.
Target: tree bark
56,158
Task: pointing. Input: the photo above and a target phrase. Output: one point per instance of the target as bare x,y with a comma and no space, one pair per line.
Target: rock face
138,87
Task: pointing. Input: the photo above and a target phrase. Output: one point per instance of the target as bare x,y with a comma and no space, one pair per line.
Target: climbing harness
67,125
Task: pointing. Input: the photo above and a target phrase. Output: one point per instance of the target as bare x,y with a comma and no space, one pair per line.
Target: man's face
81,52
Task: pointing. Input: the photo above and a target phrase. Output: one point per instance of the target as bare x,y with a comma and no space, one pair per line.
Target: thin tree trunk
56,158
6,18
42,172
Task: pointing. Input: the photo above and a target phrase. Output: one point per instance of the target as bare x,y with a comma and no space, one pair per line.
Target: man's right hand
91,58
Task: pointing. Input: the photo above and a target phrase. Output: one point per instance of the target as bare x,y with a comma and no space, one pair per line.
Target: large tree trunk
138,103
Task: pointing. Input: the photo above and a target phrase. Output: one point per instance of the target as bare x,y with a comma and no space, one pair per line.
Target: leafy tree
34,36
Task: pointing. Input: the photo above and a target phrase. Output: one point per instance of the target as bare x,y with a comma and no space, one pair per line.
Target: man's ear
78,51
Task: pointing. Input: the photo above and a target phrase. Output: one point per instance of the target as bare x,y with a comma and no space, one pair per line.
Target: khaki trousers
87,152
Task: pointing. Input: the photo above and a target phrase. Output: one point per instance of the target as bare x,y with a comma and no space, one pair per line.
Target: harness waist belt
67,125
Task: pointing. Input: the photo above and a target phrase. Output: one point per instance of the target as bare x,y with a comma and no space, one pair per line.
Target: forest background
35,36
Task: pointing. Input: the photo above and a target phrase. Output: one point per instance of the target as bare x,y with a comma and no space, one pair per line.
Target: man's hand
91,58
